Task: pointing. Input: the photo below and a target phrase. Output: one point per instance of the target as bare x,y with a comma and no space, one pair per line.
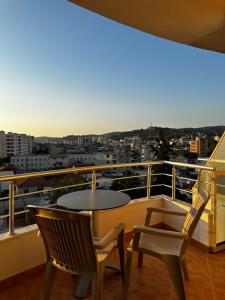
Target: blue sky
65,70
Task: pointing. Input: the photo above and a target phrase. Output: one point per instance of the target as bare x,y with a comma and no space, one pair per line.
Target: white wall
201,233
31,162
220,218
132,214
21,252
25,250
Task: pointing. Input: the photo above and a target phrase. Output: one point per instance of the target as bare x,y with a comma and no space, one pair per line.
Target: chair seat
166,245
71,247
159,244
104,254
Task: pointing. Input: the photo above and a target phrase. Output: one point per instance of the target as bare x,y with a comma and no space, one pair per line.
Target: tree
161,151
76,179
211,145
128,183
5,160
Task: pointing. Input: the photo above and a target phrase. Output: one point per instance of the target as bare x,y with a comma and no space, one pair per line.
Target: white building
2,144
43,162
87,139
58,161
136,139
31,162
101,139
184,140
48,140
18,144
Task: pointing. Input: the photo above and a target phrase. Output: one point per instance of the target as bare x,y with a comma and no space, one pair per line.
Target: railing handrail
98,168
187,165
12,179
73,170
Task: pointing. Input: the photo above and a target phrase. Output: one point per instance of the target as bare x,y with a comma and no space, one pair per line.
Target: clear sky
65,70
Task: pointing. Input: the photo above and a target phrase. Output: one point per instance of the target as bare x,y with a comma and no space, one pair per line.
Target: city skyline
215,129
65,70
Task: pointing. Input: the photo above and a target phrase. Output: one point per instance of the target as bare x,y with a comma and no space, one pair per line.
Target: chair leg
121,253
127,273
140,259
50,273
184,268
97,282
174,268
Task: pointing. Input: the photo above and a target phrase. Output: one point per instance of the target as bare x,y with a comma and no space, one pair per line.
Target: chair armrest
109,237
150,210
166,211
166,233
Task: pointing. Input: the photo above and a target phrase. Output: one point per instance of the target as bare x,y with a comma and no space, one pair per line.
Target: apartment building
99,158
184,140
199,145
18,144
31,162
48,140
68,140
43,162
15,144
2,144
87,139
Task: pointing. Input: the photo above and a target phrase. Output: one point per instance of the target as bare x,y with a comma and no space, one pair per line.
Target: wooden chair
169,246
70,246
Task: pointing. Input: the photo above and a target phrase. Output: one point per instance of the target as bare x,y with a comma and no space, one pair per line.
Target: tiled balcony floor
207,281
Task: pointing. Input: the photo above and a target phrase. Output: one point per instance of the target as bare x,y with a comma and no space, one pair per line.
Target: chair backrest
194,215
67,237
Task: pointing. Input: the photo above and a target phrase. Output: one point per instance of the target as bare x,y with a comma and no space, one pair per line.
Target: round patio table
92,201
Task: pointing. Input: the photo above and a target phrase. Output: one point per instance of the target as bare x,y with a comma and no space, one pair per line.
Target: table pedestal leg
94,222
85,281
81,291
112,266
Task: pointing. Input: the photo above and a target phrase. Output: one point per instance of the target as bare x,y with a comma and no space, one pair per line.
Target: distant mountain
152,132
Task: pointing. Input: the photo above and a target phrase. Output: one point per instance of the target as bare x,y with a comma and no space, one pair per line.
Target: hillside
152,132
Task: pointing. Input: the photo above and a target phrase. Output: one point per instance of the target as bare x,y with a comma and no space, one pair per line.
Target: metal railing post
149,181
174,183
93,181
94,219
199,180
214,210
11,207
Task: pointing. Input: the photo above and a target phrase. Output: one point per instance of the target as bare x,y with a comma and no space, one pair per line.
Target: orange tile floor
207,281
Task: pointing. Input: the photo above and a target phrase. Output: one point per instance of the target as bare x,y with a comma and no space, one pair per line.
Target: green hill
152,132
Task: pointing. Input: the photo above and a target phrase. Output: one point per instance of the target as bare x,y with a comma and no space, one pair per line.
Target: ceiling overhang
199,23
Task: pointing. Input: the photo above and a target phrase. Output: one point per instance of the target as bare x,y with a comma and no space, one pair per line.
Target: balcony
22,254
151,282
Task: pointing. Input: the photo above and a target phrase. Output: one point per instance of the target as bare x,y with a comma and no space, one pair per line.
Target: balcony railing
149,174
